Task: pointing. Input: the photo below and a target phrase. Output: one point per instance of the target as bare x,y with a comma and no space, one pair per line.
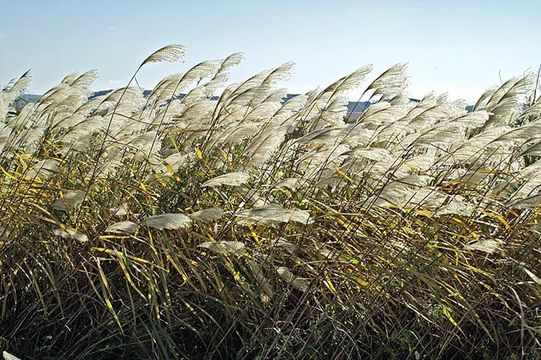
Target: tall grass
228,223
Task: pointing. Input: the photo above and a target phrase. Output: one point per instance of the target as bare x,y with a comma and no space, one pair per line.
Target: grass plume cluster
228,223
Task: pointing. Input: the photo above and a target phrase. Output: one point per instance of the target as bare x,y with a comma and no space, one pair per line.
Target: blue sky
461,47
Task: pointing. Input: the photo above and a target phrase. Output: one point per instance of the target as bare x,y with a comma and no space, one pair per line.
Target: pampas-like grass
169,53
217,220
273,213
167,221
207,215
123,227
229,179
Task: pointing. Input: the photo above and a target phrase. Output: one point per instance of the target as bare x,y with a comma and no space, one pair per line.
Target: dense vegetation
244,226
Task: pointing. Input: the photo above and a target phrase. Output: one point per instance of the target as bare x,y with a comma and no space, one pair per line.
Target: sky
459,47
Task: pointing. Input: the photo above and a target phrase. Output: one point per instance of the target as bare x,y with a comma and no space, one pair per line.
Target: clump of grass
229,223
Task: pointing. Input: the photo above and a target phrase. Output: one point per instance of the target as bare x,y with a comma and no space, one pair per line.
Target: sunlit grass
244,226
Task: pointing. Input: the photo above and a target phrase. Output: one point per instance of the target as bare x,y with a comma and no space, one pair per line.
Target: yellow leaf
254,234
361,281
330,284
472,233
199,153
143,186
497,217
169,169
343,174
408,230
449,316
7,174
425,212
112,237
223,154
